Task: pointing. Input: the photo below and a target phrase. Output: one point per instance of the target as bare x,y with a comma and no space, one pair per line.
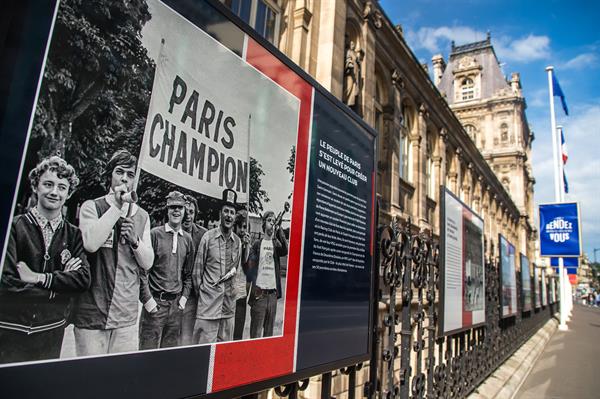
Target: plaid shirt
48,226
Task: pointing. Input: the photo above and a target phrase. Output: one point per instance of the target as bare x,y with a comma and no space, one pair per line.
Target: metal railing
409,359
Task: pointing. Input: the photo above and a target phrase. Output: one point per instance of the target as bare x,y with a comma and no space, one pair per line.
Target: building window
467,88
403,150
379,121
403,159
472,132
504,132
506,184
429,170
262,15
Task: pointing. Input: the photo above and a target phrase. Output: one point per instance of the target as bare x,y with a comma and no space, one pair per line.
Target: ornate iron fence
409,360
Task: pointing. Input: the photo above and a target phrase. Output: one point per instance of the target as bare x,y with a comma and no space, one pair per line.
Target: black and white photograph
473,276
153,207
462,300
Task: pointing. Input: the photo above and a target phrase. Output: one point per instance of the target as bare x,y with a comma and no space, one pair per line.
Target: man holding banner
217,261
116,236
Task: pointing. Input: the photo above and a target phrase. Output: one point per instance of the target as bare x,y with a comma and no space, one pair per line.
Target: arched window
506,184
472,132
504,132
379,104
404,132
467,88
429,171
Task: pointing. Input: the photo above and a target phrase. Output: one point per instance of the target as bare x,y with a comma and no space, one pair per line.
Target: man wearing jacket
240,228
116,236
217,260
264,271
165,288
45,266
191,305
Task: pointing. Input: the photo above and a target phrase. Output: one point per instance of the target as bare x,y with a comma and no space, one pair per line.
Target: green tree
258,195
95,56
95,89
291,164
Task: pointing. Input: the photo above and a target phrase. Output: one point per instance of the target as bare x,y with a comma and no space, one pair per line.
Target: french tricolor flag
565,157
563,146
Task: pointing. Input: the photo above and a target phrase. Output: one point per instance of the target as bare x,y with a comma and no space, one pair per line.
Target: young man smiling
166,288
118,243
216,263
45,266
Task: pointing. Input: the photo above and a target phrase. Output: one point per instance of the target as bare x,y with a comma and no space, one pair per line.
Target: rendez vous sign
560,230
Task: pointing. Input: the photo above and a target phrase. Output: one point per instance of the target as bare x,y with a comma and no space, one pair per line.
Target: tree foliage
95,89
291,164
258,195
94,99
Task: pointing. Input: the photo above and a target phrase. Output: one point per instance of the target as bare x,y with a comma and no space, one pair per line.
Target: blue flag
565,181
559,93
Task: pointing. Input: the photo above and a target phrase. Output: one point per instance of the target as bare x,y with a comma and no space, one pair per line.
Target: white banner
206,110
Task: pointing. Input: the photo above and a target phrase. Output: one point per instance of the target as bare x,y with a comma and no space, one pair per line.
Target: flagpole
561,164
561,184
557,197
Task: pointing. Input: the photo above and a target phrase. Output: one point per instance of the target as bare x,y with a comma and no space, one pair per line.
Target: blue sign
569,269
567,262
570,264
559,230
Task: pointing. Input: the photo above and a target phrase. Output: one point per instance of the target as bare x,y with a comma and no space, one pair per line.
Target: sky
528,36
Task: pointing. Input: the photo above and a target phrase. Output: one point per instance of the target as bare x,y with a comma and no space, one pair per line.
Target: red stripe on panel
239,363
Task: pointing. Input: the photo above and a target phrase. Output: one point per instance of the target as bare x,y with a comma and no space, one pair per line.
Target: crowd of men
194,284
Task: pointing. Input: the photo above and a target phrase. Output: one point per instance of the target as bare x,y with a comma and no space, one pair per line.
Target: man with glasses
167,285
264,271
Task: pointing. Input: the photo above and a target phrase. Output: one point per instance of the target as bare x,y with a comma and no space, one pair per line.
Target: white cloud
582,134
524,49
438,39
538,98
581,61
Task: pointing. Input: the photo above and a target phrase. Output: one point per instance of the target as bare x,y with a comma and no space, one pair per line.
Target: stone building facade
426,140
352,49
492,111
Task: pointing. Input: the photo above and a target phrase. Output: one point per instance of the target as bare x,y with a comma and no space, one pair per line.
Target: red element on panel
240,363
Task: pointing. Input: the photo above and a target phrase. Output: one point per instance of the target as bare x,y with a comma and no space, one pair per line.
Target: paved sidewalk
505,381
569,366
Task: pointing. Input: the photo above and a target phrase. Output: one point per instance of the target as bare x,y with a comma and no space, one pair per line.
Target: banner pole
248,177
557,197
